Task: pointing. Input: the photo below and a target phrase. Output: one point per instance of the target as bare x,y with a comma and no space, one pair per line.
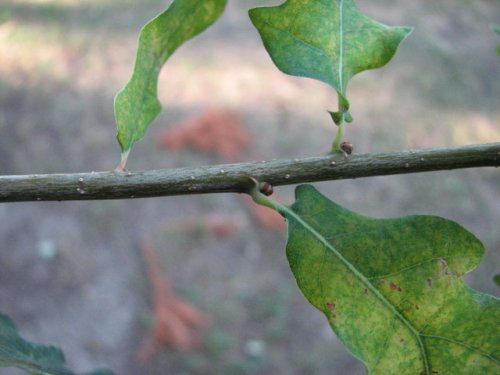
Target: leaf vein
287,211
471,348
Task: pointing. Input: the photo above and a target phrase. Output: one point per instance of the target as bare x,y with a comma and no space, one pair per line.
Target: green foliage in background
33,358
392,289
136,105
496,29
496,279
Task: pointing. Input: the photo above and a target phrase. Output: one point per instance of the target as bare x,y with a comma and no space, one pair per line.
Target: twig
236,177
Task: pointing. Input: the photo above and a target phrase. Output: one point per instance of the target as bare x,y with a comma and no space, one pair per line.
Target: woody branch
236,177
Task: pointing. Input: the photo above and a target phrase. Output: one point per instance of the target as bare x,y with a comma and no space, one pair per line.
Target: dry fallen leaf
176,322
216,131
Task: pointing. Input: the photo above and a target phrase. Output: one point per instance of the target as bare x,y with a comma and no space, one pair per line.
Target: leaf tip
403,32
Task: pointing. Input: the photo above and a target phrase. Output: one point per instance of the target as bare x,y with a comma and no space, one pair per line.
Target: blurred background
75,274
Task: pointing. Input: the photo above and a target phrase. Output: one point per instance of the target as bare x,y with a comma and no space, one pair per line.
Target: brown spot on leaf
330,306
394,287
365,292
429,283
401,340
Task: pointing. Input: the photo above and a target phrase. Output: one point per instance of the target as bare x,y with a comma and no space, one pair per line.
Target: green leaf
392,289
496,29
136,105
328,40
33,358
496,279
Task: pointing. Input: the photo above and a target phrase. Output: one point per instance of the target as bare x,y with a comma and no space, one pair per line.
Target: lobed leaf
328,40
137,105
33,358
392,289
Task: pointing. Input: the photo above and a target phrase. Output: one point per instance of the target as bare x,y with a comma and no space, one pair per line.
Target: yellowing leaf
392,289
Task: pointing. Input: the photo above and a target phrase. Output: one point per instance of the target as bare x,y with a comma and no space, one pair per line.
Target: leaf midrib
289,212
341,46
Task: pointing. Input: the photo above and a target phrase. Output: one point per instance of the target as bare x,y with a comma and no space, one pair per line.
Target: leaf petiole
123,161
340,118
260,198
340,135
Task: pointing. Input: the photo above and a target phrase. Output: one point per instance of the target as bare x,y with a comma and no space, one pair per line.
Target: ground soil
71,273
